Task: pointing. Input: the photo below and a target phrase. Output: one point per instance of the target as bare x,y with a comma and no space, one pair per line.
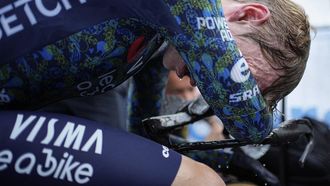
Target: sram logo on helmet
240,71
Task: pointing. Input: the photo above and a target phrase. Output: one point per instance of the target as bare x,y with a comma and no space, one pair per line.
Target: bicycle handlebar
159,127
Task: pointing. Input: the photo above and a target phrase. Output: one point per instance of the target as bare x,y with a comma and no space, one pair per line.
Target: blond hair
285,43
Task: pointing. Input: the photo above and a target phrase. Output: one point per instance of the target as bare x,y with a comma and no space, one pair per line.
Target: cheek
167,63
168,59
257,74
264,75
171,58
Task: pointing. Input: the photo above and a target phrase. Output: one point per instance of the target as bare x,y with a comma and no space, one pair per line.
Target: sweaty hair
285,43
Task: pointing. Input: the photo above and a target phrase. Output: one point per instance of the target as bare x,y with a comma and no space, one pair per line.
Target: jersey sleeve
38,148
208,48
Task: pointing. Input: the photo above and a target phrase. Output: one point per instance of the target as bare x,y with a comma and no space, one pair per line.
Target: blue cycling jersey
55,49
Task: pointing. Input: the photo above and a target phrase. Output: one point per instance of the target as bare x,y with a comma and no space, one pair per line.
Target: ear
254,13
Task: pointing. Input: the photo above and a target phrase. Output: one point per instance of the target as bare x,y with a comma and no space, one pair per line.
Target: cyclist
84,48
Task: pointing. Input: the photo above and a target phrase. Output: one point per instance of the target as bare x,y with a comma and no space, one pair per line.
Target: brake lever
190,113
168,122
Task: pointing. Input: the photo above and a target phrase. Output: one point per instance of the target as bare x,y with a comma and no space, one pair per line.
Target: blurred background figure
180,91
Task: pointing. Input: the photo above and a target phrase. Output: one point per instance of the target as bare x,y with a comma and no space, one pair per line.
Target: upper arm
216,64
